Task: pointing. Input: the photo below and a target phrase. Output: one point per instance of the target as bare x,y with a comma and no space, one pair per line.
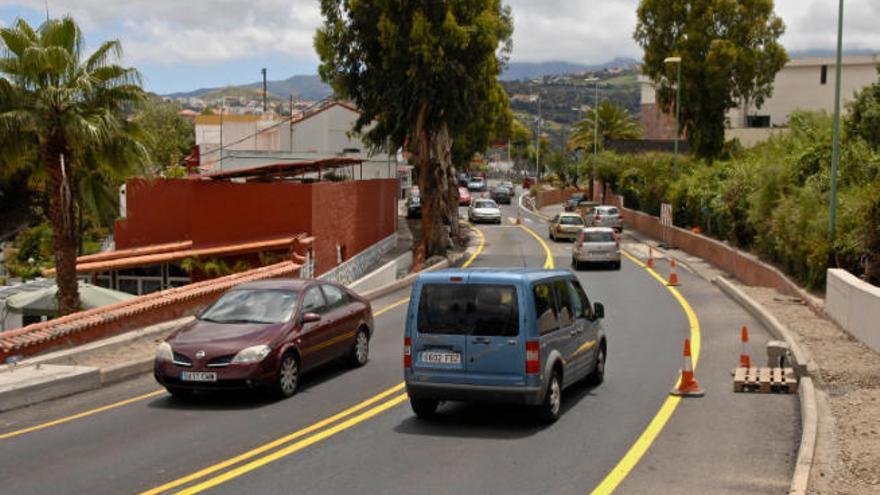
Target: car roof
276,283
598,229
606,207
569,214
494,274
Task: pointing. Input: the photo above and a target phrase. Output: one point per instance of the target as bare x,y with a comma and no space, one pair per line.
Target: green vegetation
614,123
63,122
426,73
168,136
729,52
771,199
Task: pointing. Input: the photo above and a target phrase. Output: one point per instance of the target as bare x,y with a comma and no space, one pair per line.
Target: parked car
508,184
574,201
464,197
517,336
501,195
565,226
605,216
265,334
596,245
414,206
463,179
477,184
484,210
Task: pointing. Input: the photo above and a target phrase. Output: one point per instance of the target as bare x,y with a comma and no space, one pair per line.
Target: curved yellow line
650,434
548,263
480,245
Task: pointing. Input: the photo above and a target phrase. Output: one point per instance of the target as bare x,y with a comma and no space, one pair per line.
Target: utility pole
290,126
222,108
676,60
264,90
538,144
835,132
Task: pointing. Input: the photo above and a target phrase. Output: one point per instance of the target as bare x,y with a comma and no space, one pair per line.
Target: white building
804,83
250,141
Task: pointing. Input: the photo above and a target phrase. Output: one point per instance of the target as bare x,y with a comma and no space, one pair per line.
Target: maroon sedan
266,334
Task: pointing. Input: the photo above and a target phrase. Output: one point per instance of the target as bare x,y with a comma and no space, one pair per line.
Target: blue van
500,335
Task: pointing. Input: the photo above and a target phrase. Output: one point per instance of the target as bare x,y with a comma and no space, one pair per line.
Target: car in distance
501,195
414,206
265,334
596,245
605,216
484,210
565,226
463,179
477,184
500,335
464,197
574,201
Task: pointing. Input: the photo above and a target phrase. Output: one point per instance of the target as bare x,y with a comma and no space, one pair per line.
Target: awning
44,302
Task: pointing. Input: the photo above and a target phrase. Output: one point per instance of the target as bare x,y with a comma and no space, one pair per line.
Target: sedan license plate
434,357
198,376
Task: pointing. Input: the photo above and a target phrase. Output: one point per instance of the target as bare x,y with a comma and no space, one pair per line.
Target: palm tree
64,115
614,123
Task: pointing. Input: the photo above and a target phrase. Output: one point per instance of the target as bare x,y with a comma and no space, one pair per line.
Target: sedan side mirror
599,310
310,317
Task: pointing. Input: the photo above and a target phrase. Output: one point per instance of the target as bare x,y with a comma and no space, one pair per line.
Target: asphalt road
380,447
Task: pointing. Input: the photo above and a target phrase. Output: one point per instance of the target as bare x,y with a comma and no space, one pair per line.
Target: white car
477,184
596,245
484,210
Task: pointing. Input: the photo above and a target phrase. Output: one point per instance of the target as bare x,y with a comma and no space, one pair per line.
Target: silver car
605,216
596,245
484,210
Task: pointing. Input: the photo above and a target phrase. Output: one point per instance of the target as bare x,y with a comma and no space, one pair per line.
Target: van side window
563,299
582,302
545,309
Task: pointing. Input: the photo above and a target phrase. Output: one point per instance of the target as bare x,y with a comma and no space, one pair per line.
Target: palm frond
99,58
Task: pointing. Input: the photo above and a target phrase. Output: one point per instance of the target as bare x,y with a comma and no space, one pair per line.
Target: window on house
823,75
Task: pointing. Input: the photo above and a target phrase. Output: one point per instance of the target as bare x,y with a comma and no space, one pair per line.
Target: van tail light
533,357
407,353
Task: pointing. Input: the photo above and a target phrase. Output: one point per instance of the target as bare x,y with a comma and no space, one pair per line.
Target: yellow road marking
650,434
80,415
390,307
480,245
548,263
275,443
234,473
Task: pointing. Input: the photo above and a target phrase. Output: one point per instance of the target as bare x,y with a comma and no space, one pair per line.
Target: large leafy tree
63,114
614,123
424,71
730,54
170,137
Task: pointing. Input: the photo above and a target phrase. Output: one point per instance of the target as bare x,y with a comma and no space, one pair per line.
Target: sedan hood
223,334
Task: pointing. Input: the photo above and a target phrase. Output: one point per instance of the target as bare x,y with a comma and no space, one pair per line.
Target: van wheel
598,374
424,408
617,265
549,410
360,350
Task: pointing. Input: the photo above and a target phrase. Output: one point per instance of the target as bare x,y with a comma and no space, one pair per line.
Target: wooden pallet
765,380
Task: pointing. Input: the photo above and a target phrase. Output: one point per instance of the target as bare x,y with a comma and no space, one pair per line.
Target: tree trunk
434,158
65,233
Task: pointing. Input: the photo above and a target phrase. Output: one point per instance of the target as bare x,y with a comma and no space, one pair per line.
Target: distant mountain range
310,87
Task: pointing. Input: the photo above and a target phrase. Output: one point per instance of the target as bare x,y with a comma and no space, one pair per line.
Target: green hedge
772,199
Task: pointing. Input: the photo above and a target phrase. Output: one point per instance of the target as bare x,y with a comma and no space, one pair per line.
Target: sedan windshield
485,204
572,220
598,237
252,306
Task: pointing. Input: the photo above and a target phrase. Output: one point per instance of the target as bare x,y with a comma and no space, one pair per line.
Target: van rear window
473,309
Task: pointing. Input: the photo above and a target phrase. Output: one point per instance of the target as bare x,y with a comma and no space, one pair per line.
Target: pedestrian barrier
745,361
687,385
673,277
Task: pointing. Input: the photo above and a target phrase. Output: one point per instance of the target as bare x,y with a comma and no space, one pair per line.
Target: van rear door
442,325
495,346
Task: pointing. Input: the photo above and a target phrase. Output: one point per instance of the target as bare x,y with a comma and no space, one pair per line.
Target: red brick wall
553,196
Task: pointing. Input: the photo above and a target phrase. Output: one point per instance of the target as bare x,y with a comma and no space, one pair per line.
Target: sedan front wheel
288,376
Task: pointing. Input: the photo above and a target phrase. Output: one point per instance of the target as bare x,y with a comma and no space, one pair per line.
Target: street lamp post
676,60
835,132
538,144
595,80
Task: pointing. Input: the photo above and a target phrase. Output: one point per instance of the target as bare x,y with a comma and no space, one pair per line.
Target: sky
180,46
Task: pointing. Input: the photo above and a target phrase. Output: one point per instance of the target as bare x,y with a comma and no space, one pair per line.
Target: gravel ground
848,449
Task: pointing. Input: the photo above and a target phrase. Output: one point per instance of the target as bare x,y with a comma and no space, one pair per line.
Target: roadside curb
806,367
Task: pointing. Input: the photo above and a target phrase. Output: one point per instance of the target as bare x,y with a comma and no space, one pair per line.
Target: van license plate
441,357
198,376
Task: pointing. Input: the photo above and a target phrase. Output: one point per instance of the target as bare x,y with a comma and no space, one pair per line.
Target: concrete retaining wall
855,305
352,269
385,275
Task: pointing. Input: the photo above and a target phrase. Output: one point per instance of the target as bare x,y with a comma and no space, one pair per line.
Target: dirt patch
847,462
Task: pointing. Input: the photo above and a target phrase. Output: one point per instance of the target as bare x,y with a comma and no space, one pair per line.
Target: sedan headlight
164,352
251,354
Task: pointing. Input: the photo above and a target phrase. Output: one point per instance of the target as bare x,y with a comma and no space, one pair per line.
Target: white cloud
217,31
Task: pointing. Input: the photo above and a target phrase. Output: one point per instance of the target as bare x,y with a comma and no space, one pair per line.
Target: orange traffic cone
745,361
650,257
673,277
518,217
687,385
